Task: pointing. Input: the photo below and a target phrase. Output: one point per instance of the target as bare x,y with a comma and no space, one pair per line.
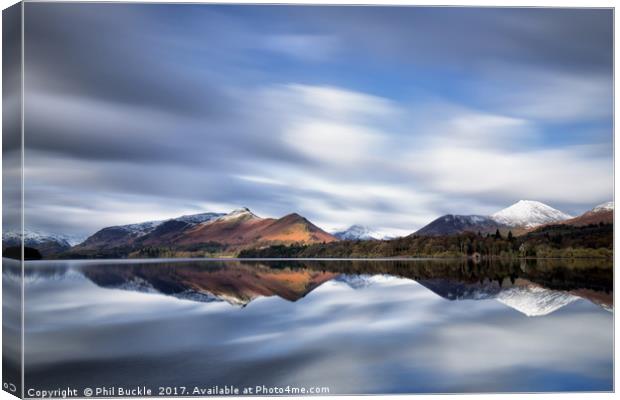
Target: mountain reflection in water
534,288
358,326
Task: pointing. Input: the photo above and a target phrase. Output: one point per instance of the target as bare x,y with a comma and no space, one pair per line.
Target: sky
381,116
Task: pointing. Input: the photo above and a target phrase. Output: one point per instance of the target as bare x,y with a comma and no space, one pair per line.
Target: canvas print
233,199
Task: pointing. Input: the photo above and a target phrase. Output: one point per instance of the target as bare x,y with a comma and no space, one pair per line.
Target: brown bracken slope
590,218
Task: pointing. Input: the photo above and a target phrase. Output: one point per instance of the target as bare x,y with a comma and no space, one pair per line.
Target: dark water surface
352,326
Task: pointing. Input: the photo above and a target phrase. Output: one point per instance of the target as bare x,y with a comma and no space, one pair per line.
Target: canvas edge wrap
12,199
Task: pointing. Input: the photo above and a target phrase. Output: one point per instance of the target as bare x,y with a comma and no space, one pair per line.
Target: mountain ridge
218,232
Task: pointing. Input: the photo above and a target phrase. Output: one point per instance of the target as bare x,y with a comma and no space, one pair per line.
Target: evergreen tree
497,234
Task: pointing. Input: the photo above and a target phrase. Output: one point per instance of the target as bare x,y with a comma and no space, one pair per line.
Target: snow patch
239,213
609,206
33,238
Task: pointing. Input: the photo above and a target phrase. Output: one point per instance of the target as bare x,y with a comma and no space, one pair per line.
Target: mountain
127,235
358,232
603,213
451,224
528,214
203,233
47,244
242,228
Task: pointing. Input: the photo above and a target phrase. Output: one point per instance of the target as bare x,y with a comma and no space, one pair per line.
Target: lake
350,327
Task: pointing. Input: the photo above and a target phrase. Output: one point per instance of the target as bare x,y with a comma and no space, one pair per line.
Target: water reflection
356,326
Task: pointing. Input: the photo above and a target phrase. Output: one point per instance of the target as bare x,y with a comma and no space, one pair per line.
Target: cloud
336,144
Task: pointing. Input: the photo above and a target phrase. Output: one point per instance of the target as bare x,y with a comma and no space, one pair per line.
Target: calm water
351,326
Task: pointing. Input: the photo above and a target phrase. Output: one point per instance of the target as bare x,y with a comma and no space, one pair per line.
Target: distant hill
454,224
46,244
358,232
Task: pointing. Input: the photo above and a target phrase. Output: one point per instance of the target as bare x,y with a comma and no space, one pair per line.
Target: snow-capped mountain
358,232
242,213
529,214
609,206
31,237
46,243
451,224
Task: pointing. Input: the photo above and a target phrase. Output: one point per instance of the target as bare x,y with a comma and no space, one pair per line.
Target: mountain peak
294,217
239,213
529,214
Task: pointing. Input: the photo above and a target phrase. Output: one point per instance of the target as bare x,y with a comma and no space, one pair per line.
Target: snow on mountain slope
32,238
240,213
145,228
198,218
358,232
535,301
609,206
45,243
529,214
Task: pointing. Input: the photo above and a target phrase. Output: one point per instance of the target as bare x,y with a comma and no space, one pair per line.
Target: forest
561,241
